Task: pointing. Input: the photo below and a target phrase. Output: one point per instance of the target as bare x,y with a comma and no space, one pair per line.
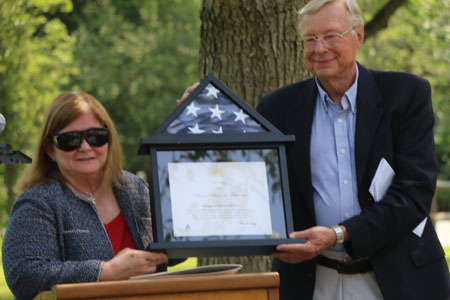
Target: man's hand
318,239
187,92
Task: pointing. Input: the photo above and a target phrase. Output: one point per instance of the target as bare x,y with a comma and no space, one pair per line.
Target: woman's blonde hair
65,109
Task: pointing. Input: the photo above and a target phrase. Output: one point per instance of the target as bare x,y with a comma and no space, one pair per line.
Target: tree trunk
253,47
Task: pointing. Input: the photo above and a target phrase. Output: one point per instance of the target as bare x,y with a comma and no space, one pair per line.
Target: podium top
158,287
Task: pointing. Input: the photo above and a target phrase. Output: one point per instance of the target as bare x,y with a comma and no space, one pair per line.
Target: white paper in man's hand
382,180
419,228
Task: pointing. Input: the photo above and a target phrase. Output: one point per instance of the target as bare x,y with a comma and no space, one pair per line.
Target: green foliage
5,293
137,57
35,60
32,67
447,255
443,198
417,41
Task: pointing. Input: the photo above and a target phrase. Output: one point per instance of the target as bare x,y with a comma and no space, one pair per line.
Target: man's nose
319,46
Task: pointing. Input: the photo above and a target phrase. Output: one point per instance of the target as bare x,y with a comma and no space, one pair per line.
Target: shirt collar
350,94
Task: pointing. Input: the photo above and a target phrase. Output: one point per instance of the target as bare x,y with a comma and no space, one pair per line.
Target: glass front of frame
222,194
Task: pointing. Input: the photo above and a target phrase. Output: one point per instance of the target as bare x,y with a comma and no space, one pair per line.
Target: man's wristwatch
339,234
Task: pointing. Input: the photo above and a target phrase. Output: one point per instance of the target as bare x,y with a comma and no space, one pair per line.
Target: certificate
219,198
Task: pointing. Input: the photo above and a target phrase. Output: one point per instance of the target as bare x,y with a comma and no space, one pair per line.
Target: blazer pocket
426,254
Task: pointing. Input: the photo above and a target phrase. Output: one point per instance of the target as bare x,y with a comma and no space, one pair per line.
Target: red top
118,234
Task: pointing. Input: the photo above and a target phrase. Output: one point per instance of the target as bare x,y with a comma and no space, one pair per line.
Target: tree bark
253,47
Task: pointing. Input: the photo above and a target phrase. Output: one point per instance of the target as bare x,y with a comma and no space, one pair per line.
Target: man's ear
360,34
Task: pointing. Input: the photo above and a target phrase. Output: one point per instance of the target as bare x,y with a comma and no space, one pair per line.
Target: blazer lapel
123,198
368,115
299,123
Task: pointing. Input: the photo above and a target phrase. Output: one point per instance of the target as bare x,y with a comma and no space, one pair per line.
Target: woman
80,218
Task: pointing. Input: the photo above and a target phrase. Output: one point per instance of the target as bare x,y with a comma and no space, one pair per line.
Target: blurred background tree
418,41
135,56
36,60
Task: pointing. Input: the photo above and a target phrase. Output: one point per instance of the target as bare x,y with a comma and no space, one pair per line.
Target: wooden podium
250,286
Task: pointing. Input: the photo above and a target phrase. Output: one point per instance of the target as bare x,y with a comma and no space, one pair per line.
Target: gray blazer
54,236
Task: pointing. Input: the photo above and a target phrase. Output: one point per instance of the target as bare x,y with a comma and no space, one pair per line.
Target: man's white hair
354,14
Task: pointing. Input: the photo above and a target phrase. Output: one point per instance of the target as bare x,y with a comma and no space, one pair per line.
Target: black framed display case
218,178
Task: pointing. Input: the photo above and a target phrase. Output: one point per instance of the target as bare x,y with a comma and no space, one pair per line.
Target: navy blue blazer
394,121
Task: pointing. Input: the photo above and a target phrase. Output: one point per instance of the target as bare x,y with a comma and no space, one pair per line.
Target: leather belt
346,267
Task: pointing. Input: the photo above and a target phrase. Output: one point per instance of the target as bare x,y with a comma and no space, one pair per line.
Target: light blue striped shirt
333,171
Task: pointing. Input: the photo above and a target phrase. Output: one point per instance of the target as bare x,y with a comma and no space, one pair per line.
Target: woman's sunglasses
72,140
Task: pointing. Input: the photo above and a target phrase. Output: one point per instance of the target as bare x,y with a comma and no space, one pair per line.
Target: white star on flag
240,116
216,112
218,131
212,91
195,129
192,109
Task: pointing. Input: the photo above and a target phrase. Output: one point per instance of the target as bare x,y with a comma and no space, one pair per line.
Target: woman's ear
49,149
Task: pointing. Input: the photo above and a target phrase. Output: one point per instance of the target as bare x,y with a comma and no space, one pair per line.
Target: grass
5,293
447,255
191,262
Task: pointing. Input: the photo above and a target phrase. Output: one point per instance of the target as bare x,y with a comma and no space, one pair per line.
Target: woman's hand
187,92
130,262
318,239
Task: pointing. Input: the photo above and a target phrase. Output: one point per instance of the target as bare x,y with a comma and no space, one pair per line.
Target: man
350,122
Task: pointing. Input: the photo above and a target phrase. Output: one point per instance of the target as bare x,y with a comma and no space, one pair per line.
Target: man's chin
324,72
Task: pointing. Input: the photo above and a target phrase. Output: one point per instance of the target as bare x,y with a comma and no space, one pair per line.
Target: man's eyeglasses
72,140
330,40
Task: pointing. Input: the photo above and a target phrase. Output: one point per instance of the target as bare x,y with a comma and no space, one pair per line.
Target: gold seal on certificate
218,178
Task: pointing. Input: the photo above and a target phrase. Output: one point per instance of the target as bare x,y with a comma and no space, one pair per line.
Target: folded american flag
212,112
